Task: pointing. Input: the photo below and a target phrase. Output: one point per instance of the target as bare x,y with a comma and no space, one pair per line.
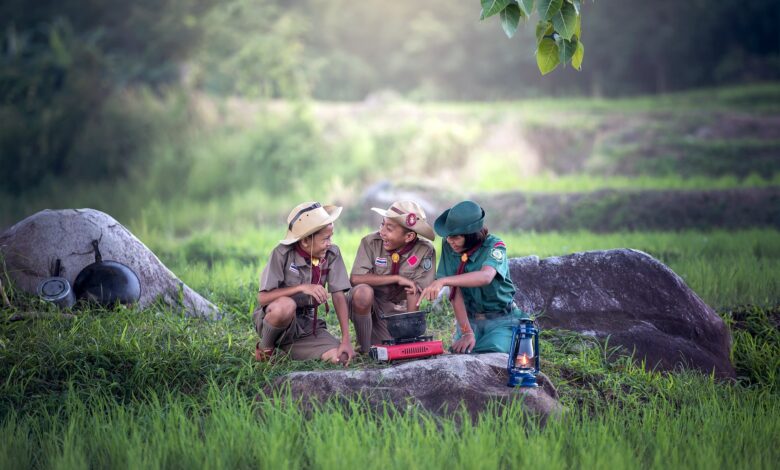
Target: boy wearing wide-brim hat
391,268
292,288
475,267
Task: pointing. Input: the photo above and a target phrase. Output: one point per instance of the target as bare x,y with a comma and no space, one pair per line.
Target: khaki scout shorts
298,340
379,330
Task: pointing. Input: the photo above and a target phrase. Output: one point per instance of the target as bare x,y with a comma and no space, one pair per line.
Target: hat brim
333,213
441,229
422,227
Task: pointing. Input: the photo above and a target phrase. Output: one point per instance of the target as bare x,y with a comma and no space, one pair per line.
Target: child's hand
409,286
432,291
465,344
316,291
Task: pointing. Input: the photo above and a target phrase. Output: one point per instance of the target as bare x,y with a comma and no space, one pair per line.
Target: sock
270,335
363,326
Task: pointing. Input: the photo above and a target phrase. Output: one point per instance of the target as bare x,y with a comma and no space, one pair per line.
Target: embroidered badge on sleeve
427,264
497,254
412,260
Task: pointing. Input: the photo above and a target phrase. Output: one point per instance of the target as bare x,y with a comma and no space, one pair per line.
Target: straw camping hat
307,218
410,215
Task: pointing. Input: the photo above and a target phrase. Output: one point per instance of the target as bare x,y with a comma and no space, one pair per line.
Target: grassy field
150,389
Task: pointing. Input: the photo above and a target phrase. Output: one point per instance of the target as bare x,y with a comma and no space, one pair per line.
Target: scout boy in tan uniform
391,268
292,287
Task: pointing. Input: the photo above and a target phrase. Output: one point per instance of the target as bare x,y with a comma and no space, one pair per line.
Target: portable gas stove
406,348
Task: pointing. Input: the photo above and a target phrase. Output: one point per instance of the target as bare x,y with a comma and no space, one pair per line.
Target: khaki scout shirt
417,265
287,268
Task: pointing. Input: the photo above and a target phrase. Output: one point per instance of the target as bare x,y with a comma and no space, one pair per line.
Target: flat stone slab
440,385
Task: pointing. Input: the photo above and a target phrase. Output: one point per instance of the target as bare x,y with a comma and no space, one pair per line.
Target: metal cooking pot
107,282
406,325
56,289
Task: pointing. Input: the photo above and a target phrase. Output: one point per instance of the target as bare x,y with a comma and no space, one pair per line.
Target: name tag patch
380,262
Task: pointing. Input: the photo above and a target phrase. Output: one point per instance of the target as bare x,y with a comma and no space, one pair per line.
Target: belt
493,315
488,315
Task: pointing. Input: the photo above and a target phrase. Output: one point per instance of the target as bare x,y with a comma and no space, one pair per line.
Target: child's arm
317,293
342,313
479,278
465,344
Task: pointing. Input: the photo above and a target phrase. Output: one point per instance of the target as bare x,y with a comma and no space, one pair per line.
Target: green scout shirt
493,297
287,268
417,265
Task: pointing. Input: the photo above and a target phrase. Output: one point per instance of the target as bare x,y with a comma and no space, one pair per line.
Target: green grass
148,389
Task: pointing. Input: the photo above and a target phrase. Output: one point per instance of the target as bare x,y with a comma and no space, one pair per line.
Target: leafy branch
558,31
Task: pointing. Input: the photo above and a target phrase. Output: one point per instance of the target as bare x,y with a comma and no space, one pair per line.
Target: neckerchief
317,267
464,258
396,256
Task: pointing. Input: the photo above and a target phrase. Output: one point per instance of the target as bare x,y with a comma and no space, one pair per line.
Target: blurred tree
67,65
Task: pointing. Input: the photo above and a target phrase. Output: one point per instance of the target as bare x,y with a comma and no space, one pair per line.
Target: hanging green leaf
527,6
547,56
565,20
547,8
543,28
578,27
577,4
566,50
492,7
576,60
510,18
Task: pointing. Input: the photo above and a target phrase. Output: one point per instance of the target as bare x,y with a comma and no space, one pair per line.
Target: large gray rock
630,297
29,247
438,385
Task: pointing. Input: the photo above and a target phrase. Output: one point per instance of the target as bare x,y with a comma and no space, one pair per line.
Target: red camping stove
407,348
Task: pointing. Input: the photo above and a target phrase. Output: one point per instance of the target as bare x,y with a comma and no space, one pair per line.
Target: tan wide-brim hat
410,215
307,218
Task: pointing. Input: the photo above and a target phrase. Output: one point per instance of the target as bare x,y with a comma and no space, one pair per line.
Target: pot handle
55,268
98,256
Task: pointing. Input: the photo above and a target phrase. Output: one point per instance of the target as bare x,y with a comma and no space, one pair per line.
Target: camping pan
56,289
107,282
406,325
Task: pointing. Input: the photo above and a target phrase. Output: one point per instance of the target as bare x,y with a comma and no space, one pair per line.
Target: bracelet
467,333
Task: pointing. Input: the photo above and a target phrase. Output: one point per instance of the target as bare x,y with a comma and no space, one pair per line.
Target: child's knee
280,312
363,298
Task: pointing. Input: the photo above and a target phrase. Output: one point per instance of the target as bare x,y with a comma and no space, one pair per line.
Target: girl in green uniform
474,266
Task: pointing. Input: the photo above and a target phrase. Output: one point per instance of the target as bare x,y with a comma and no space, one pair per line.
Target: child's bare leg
278,316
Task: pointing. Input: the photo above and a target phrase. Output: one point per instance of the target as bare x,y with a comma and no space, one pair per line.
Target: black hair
473,239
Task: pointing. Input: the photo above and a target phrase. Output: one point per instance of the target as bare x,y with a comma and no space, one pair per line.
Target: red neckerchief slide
317,269
395,256
464,258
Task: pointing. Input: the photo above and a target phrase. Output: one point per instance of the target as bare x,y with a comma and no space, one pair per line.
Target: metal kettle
107,282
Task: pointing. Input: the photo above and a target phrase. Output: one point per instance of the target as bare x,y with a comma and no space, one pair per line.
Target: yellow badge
396,257
464,257
315,262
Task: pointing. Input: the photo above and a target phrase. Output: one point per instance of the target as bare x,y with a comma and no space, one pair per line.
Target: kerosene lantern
523,364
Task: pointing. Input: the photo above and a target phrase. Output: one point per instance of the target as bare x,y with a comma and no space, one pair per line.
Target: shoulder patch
427,264
412,260
497,254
